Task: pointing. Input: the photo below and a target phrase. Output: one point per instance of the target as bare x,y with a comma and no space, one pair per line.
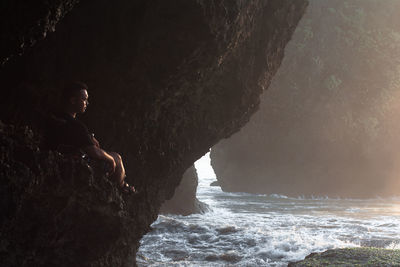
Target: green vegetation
352,257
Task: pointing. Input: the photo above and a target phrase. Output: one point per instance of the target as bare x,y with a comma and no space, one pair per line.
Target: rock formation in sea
167,80
352,257
184,201
328,124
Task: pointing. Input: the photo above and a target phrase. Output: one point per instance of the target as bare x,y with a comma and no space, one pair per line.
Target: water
267,230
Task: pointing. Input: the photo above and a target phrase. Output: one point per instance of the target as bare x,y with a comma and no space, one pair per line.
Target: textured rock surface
328,124
167,80
184,201
23,23
58,211
352,257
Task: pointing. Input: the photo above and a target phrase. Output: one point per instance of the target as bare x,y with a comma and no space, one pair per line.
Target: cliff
327,126
167,80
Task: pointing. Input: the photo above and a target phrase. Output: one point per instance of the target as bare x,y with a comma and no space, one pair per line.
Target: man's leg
119,174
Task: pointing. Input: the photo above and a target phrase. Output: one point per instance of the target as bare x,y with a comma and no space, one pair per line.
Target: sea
242,229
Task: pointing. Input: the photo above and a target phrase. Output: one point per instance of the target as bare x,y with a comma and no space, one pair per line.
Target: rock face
167,80
23,23
58,211
328,123
184,201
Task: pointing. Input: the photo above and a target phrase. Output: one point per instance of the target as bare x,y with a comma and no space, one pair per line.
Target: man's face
80,102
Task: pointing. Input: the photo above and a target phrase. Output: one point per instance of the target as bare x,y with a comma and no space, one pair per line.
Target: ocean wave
268,230
278,196
315,197
301,197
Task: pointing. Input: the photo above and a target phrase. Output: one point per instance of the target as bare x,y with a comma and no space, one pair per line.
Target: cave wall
167,80
24,23
328,123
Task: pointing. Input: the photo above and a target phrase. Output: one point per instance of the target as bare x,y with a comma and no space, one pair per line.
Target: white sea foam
268,230
278,196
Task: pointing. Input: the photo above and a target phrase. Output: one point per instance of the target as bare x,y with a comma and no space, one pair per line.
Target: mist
328,124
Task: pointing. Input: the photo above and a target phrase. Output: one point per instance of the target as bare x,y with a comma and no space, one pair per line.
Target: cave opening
205,171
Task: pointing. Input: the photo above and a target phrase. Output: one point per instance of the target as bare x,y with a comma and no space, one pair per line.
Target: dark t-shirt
66,134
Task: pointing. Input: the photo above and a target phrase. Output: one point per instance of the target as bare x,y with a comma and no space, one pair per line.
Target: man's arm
98,153
96,143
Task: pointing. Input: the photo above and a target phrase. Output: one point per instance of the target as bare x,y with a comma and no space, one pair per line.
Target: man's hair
71,89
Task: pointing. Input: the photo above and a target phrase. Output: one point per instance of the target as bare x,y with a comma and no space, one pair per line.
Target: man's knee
116,156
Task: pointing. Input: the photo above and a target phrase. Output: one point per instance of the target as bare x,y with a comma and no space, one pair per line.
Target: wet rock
215,183
351,257
231,257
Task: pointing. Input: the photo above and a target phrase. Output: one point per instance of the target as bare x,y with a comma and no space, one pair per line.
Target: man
70,136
